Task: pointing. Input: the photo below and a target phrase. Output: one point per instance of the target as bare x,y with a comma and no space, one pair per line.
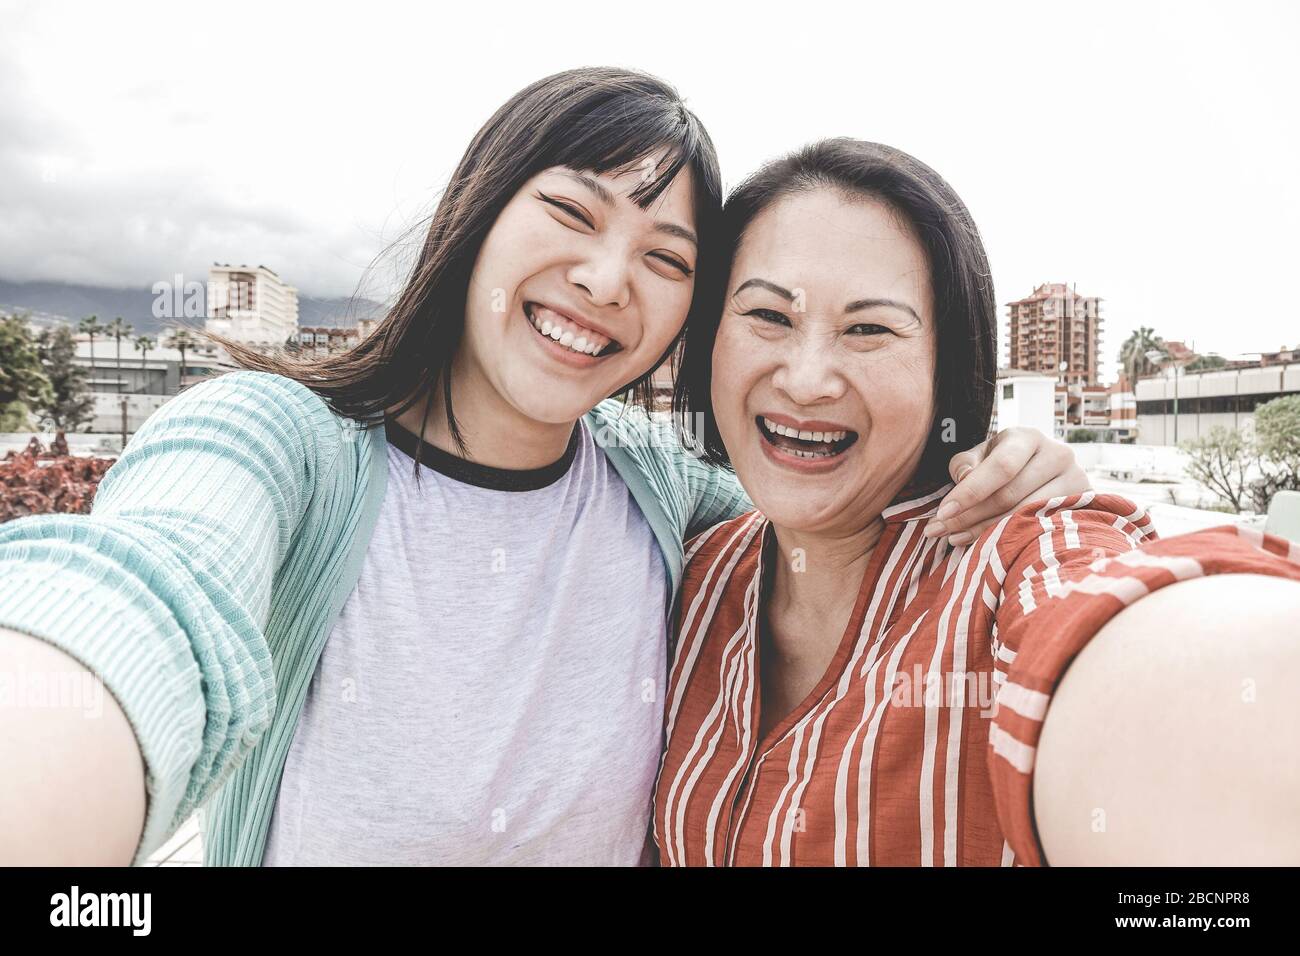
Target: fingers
1007,458
1021,468
962,463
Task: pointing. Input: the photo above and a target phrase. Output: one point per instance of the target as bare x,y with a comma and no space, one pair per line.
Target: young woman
410,605
832,695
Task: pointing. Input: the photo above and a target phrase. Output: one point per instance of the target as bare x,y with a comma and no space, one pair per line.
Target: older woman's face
823,367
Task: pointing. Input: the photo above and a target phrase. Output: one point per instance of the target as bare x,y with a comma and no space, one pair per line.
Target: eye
866,328
673,261
568,208
769,315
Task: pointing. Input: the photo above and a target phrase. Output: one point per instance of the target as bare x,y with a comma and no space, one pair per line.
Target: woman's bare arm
73,792
1174,736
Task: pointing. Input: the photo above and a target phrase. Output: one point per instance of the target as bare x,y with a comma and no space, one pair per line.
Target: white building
1026,399
1226,397
145,381
251,304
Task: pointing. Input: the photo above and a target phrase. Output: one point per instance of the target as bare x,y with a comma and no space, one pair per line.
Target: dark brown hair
964,308
594,119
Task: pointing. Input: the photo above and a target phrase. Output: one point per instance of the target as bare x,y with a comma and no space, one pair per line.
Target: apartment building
1057,332
251,304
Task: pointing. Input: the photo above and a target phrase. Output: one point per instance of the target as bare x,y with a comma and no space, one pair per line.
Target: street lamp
1155,357
1063,367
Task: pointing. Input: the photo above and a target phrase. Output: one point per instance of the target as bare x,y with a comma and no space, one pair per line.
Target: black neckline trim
473,473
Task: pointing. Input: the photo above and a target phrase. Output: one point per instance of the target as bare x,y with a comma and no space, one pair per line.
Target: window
1009,390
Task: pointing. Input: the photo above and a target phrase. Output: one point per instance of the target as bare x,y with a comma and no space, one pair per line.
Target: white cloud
1145,152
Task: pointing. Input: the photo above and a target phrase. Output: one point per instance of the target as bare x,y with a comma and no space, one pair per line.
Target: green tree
143,344
1220,460
23,382
119,330
1133,353
1277,444
1205,363
73,404
183,340
1252,464
91,326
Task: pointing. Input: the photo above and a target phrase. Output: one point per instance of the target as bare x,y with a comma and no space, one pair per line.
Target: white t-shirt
492,690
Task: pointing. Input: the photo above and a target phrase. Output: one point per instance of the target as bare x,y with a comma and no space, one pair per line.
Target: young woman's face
827,333
578,291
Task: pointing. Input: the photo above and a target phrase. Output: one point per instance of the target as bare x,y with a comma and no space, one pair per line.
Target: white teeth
574,341
788,432
810,454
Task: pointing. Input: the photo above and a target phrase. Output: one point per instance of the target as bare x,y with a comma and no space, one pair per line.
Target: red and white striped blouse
900,755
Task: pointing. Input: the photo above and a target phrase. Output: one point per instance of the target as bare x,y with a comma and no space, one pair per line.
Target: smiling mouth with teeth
569,334
805,444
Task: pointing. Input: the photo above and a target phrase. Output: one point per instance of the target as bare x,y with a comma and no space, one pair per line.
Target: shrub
37,480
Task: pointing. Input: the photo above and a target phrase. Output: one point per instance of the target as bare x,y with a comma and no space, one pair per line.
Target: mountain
50,303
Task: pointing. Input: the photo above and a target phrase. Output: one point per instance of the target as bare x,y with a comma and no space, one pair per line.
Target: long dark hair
964,307
597,119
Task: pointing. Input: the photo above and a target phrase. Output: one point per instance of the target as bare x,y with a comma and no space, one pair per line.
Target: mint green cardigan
220,550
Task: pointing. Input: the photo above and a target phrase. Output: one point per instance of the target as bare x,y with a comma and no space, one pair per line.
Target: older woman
848,688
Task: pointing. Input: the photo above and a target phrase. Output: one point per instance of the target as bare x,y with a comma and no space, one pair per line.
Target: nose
809,373
604,275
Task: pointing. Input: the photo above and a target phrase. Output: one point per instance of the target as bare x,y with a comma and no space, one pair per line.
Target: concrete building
1025,399
251,304
146,381
324,340
1055,326
1179,405
1082,406
1123,410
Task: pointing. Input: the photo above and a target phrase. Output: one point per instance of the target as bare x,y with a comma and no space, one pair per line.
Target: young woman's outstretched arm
163,593
74,790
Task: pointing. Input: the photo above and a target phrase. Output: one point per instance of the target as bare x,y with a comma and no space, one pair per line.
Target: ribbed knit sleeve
716,494
164,589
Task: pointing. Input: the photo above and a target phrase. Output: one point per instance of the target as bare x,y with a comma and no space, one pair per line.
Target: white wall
108,411
1032,403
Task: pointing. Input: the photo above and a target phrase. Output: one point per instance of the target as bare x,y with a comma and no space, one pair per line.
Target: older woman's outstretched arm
1174,736
1145,710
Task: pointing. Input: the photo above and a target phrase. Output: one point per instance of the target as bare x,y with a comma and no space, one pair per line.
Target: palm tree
144,344
90,325
119,330
182,340
1133,353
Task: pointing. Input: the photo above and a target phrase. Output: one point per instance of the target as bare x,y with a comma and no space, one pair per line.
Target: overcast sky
1146,151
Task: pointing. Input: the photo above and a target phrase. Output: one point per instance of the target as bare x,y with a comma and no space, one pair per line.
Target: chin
541,398
799,516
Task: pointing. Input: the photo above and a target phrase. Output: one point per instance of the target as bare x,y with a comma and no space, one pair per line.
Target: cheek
734,374
899,395
510,252
665,312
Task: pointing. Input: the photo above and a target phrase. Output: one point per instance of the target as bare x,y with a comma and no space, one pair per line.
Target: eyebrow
604,194
855,306
860,304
